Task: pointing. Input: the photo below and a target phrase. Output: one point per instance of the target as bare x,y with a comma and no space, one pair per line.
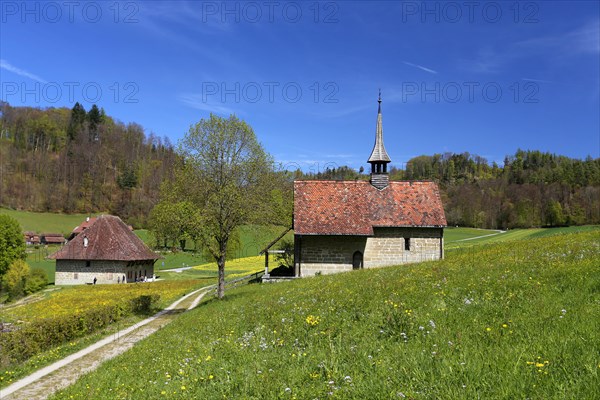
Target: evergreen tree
78,117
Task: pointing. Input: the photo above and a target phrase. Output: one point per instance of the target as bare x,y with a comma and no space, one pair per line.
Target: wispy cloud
431,71
196,101
21,72
583,40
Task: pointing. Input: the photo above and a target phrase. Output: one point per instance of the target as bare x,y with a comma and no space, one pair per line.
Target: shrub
286,259
144,304
29,339
15,279
37,280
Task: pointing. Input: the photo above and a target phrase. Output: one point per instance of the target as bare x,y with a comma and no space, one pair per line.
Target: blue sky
484,77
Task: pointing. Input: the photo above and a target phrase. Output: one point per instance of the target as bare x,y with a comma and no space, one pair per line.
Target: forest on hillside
77,160
531,189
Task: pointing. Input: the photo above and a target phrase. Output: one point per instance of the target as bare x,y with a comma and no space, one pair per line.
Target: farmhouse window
75,275
407,244
88,263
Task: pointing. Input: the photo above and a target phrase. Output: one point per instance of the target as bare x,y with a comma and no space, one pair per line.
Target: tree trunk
221,284
221,265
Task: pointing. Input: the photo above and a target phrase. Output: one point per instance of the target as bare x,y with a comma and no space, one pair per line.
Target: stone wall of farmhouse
332,254
77,272
388,246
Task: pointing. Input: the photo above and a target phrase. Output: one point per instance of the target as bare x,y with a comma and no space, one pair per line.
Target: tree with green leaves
174,222
12,242
227,175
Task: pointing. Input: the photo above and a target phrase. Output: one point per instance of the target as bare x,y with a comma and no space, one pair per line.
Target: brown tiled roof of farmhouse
355,207
53,238
108,239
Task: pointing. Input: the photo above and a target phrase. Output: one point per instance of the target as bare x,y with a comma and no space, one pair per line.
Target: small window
88,263
75,275
407,244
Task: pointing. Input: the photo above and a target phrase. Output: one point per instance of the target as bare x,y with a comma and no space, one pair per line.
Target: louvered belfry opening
379,158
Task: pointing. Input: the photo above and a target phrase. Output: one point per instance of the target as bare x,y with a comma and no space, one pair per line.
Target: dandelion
313,320
488,329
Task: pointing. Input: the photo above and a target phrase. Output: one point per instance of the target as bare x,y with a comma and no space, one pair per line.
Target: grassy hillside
507,320
464,237
45,222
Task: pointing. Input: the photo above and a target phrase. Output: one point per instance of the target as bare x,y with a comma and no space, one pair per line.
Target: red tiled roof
108,239
355,207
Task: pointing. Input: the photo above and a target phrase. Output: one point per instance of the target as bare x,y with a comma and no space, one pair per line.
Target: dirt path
63,373
498,232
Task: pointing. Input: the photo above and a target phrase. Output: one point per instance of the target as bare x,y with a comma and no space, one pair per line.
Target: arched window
357,260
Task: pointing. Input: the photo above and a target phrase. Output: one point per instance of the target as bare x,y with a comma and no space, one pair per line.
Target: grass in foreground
509,320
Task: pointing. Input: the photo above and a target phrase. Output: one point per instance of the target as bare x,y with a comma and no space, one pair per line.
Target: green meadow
506,319
45,222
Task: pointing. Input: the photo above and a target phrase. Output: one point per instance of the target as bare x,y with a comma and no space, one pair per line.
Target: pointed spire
379,154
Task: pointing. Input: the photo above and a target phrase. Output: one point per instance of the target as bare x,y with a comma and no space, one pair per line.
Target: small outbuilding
106,250
52,238
345,225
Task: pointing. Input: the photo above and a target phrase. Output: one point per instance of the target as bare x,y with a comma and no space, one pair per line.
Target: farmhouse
52,238
106,250
31,238
345,225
